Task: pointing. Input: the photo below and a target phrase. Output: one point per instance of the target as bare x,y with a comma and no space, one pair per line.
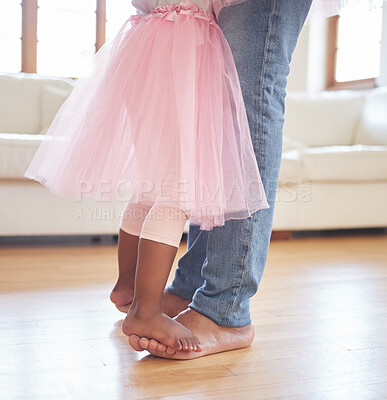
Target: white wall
297,79
382,80
308,66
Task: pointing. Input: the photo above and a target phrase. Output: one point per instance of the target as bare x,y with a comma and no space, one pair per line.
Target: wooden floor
320,317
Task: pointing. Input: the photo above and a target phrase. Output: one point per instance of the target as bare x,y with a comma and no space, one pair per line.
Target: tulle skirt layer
159,117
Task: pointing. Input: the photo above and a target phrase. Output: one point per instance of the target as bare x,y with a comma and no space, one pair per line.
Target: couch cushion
345,163
16,153
372,128
19,104
21,98
52,99
291,168
324,118
291,144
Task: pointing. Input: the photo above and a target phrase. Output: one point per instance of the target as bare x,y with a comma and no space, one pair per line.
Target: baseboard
281,235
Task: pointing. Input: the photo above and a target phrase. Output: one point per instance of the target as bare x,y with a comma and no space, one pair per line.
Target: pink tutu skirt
160,117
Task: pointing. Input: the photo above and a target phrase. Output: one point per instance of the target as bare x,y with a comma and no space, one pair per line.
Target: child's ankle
145,310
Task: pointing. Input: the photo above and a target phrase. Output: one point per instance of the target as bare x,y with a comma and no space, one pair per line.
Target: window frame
331,83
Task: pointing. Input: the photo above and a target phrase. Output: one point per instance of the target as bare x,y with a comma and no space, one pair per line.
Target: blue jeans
222,268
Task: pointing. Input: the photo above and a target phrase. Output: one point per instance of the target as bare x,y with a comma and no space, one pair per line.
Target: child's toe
198,347
174,343
196,342
190,344
184,343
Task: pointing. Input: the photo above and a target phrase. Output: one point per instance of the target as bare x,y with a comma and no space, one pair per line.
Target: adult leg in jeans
262,35
188,274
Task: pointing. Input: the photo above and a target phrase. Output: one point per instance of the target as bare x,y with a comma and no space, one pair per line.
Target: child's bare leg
128,237
155,258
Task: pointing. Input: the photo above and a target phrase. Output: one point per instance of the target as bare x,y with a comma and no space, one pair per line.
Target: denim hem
219,320
179,292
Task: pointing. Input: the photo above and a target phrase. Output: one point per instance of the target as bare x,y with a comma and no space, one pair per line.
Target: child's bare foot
158,326
122,295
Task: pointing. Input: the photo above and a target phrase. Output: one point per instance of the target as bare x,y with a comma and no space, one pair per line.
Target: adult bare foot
173,305
165,331
213,338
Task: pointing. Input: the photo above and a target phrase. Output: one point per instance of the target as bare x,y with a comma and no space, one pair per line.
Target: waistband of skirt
170,12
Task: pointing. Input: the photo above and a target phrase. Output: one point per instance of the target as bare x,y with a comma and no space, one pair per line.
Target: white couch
333,172
334,162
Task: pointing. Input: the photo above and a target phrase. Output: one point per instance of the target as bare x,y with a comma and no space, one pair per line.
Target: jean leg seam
244,269
263,74
262,80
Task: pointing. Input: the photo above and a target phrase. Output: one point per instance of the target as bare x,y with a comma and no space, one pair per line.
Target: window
66,36
117,12
354,46
57,37
10,35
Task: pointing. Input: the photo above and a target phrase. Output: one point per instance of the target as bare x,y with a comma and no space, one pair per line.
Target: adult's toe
161,348
152,344
144,343
134,341
170,350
